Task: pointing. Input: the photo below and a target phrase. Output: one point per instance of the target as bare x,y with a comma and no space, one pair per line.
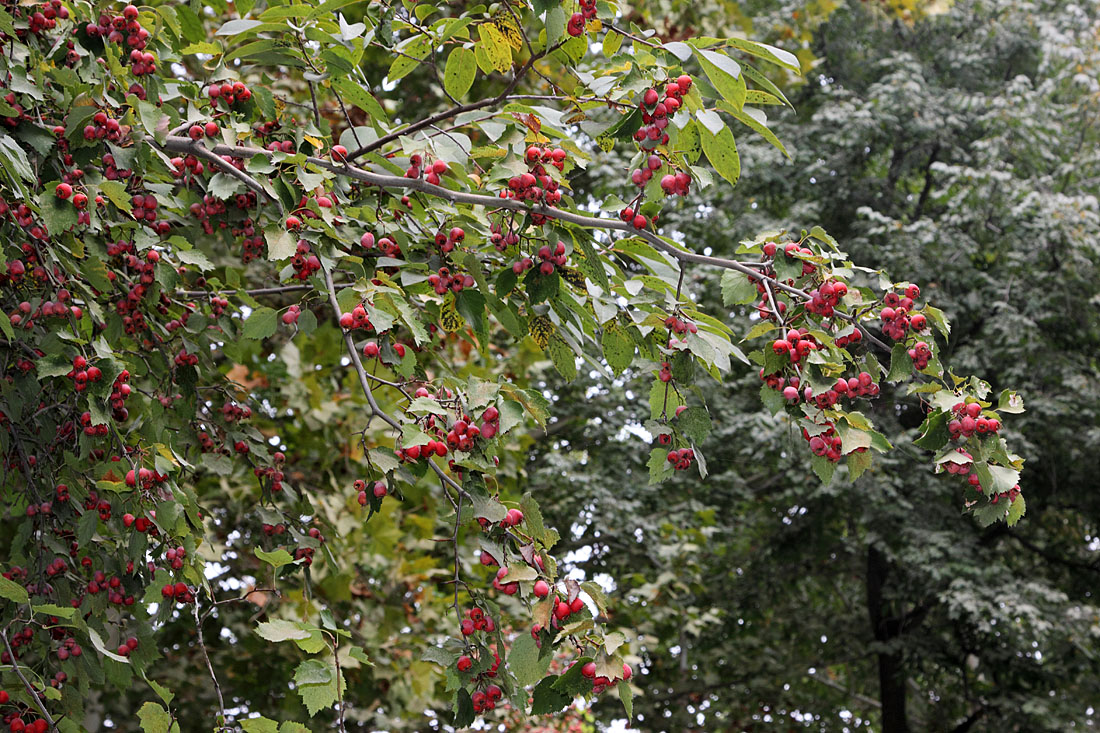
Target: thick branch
387,181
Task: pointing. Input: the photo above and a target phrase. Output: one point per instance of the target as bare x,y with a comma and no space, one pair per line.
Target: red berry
541,589
339,153
63,190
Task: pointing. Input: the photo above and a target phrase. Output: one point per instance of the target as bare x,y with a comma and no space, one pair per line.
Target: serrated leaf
260,324
280,243
524,661
13,591
737,289
154,718
695,423
259,725
281,630
901,366
659,466
546,699
1016,511
858,463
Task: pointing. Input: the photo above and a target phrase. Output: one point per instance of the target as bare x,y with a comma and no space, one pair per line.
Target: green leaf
737,289
858,463
460,71
280,243
546,699
694,422
97,642
259,725
13,591
116,192
755,120
824,468
276,559
154,718
777,56
237,27
317,684
464,709
260,324
725,74
721,151
563,357
901,366
413,54
281,630
627,696
572,682
1016,511
618,347
361,98
524,661
934,435
659,467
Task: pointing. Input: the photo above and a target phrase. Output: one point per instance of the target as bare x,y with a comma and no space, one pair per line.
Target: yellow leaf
495,46
506,24
448,315
541,330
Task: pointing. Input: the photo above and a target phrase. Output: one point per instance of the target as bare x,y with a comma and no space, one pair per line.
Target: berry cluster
797,344
92,431
656,111
228,93
508,589
44,18
82,373
180,592
141,524
378,490
121,29
305,262
291,315
446,241
415,452
826,444
681,459
551,258
120,390
920,354
575,27
103,128
680,326
599,684
142,62
896,320
825,298
356,318
537,185
386,245
444,281
112,172
967,420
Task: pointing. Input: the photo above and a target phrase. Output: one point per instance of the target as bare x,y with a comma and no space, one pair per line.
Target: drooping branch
391,182
364,382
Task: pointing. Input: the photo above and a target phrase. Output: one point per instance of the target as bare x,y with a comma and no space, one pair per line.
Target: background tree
961,148
283,287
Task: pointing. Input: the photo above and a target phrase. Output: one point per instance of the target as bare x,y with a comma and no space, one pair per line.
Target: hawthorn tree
280,284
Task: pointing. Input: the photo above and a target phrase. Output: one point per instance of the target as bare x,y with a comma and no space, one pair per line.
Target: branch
453,111
30,690
209,666
364,382
387,181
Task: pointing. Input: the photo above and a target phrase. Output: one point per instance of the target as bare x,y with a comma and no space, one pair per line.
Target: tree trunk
891,675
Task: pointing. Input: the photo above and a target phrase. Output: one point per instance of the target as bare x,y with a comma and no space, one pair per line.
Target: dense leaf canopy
331,335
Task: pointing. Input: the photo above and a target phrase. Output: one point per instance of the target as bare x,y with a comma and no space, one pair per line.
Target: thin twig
30,690
210,667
